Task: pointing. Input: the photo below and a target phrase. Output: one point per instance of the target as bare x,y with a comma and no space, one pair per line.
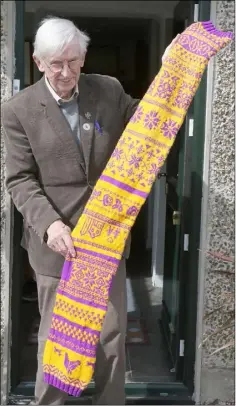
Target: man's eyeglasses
57,67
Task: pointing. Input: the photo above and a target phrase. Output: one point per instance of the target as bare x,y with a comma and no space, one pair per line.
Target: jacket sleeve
21,176
127,104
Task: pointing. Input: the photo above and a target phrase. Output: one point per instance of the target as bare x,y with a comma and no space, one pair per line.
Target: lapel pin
86,126
98,128
88,115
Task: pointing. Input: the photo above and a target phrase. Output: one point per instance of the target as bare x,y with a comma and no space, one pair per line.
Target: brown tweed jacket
47,174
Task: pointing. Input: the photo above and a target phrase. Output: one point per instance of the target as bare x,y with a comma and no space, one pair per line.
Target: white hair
54,34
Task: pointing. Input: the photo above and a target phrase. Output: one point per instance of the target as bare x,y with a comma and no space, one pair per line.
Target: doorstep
136,394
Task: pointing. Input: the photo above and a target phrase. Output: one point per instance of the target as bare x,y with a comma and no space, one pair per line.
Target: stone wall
7,71
217,373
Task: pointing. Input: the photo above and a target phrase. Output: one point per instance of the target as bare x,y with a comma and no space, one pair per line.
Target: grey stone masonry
7,73
217,367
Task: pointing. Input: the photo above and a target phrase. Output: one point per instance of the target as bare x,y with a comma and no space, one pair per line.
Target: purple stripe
209,27
76,325
205,50
97,254
96,245
164,107
83,301
78,346
65,387
66,271
123,186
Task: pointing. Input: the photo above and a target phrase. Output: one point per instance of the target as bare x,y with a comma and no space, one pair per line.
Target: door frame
17,257
193,220
7,223
171,393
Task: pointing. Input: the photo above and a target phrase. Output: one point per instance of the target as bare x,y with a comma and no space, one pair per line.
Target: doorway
117,47
154,359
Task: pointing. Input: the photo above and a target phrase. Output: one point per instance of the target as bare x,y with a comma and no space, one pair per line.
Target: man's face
62,70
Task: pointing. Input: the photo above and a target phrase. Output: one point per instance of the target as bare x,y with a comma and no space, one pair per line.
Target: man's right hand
59,239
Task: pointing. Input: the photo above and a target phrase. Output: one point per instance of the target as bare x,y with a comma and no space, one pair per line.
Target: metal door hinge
176,218
186,242
190,127
16,86
181,348
196,13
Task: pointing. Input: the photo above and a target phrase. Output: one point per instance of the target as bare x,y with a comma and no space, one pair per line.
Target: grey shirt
70,109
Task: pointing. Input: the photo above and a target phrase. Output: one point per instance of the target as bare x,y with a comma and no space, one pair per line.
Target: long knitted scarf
101,232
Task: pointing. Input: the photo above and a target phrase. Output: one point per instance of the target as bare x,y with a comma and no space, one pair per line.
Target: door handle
161,175
176,218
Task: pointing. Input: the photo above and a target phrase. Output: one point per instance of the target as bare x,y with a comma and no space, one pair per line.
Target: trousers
109,374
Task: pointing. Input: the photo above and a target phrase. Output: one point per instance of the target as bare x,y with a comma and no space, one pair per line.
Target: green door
176,239
175,244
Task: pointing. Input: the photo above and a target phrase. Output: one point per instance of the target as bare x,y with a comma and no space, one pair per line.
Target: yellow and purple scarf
102,230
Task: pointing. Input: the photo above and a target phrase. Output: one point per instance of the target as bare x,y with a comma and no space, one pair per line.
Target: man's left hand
166,53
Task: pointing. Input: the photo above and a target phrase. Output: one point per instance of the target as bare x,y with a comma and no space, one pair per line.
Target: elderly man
59,135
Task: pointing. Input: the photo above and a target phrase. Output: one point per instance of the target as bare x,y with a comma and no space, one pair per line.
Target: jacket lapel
59,123
87,112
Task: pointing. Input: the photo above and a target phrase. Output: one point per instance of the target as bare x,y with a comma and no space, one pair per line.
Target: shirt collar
58,99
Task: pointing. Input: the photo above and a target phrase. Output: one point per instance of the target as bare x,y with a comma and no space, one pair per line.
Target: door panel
170,308
177,177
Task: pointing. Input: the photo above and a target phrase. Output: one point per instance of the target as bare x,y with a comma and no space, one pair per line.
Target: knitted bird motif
70,365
